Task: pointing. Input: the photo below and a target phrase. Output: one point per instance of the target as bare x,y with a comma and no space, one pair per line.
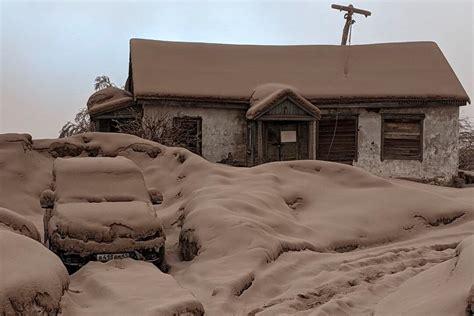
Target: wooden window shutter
402,137
337,138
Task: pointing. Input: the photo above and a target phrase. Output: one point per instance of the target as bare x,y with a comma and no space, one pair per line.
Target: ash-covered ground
299,237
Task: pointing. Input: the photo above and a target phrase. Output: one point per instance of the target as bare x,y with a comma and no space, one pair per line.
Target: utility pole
348,16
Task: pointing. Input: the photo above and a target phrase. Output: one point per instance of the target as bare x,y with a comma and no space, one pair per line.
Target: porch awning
109,99
268,96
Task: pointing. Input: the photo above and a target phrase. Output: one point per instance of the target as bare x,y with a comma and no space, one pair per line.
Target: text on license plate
111,256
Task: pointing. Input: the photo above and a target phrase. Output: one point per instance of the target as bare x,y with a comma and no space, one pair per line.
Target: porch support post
312,140
259,142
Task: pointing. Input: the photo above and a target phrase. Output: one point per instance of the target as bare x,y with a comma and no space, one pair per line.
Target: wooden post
260,143
348,17
312,140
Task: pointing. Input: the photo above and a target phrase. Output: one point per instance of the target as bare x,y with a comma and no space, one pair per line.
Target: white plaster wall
223,130
440,145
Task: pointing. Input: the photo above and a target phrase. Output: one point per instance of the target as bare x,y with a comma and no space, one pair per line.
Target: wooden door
286,141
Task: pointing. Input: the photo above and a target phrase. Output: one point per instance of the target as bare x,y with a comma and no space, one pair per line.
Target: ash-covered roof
108,99
363,73
267,96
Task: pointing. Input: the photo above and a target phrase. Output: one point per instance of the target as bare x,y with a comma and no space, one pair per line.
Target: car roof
98,179
116,165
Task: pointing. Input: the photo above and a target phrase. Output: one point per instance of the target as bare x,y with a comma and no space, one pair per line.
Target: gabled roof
267,96
108,99
222,72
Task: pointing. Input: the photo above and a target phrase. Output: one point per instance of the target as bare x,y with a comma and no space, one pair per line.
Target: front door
286,141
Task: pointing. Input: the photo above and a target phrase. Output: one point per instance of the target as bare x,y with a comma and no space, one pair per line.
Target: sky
52,51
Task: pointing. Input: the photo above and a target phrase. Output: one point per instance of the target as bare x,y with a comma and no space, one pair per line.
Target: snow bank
33,279
106,289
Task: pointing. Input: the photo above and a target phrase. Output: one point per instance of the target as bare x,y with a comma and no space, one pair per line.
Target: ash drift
306,237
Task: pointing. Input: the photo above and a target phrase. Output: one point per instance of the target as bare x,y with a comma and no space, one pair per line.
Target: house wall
440,144
224,131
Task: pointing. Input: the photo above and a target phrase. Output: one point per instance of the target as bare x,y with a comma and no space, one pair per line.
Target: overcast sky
52,51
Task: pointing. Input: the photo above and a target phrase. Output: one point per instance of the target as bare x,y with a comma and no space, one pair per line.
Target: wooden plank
330,128
400,142
344,143
337,145
402,137
402,127
347,153
404,151
340,139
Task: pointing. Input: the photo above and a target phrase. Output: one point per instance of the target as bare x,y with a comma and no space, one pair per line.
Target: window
337,138
402,137
189,133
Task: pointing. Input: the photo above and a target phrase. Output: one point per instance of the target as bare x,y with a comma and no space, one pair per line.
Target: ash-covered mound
234,224
33,279
440,290
290,237
17,223
127,287
26,165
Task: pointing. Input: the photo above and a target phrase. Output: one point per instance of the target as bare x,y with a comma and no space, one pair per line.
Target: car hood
105,221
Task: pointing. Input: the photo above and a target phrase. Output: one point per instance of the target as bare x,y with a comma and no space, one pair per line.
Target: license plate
111,256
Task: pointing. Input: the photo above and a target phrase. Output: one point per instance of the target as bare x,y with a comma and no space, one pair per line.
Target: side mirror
47,199
155,196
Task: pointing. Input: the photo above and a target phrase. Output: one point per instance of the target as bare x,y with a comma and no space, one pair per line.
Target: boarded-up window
189,133
337,139
402,137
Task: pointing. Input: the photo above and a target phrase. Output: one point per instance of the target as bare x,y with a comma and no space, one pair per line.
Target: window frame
198,119
402,117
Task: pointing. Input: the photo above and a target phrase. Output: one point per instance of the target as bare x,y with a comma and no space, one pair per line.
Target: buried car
101,210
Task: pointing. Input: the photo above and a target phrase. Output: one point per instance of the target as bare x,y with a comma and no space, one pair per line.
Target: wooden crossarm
350,9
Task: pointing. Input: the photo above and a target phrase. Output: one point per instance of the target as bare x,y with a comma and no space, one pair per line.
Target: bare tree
158,128
102,82
466,144
81,124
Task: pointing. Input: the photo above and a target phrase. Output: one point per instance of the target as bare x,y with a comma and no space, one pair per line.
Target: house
389,108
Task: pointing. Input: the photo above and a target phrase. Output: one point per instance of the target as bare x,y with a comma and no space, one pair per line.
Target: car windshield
99,180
